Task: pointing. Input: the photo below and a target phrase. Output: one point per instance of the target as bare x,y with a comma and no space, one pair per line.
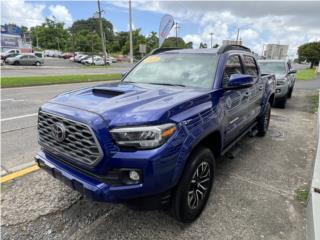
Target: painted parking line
11,100
18,117
19,173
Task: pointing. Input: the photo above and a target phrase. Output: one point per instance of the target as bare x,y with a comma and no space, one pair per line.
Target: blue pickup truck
153,138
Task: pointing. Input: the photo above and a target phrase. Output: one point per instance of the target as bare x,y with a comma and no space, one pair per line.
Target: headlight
144,137
282,81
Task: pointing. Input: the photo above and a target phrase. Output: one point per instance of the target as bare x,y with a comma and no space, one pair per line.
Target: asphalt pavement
19,108
253,196
58,66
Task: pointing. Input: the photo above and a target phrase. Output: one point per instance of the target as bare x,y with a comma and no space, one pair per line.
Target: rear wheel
194,188
264,120
281,102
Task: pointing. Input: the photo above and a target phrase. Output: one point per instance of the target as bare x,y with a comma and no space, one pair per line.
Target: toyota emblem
58,131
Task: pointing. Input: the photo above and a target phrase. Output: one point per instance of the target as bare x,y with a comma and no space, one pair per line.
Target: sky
260,22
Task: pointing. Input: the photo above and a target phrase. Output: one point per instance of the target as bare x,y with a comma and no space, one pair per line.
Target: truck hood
121,104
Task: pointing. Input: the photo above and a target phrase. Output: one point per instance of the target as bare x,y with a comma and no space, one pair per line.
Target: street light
238,32
211,39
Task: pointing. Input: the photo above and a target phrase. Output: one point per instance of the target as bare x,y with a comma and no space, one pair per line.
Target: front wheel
264,120
194,188
38,63
290,92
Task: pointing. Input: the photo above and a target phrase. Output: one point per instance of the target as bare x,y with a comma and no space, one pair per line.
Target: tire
263,121
37,63
190,197
16,63
281,102
290,92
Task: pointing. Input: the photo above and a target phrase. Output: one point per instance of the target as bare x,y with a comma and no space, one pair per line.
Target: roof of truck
220,50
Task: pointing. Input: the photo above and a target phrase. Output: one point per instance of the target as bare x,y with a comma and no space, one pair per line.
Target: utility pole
130,33
238,35
73,48
211,34
176,27
101,35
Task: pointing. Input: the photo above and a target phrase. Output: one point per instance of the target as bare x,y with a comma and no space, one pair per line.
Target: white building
276,51
13,38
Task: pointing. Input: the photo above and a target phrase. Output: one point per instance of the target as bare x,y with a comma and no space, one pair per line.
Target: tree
171,42
203,45
50,35
152,41
92,25
189,45
310,52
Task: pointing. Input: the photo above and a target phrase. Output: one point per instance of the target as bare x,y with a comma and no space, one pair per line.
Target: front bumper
281,91
155,179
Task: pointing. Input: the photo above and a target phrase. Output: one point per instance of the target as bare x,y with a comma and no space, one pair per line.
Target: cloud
61,14
22,13
260,22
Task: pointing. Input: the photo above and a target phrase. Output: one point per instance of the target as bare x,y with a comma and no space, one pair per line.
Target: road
253,196
18,118
61,67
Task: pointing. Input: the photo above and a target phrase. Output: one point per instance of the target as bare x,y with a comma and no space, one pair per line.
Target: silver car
25,59
285,79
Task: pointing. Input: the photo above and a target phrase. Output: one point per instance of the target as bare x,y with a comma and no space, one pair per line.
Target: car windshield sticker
152,59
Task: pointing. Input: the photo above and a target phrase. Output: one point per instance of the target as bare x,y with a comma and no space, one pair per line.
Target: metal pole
176,34
101,35
238,35
73,49
211,39
130,33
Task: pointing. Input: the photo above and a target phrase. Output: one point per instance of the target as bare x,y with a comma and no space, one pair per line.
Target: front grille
78,142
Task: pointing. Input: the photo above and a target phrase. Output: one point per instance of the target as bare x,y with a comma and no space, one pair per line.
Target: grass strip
7,82
306,74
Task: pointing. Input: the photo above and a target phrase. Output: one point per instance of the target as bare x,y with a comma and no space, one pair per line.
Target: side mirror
292,71
238,81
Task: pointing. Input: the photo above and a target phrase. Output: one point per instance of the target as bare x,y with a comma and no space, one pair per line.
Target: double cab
154,137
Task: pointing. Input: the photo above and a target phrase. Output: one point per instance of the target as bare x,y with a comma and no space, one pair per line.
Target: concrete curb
313,205
17,168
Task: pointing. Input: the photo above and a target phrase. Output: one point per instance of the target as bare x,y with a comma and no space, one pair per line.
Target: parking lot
254,195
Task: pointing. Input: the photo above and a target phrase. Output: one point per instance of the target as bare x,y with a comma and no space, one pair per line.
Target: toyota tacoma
154,137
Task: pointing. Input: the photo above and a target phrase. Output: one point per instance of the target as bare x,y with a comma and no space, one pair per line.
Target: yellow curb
19,173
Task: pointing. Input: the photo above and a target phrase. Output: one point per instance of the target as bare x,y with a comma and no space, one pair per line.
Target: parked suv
285,79
153,138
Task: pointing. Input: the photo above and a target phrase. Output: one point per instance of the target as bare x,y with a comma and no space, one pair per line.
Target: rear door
255,92
235,100
32,59
24,60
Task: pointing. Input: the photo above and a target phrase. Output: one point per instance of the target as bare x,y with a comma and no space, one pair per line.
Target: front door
235,101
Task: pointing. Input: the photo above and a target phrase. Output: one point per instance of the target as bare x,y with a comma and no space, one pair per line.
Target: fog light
278,90
134,175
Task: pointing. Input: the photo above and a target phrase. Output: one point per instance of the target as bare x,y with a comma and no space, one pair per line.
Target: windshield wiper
168,84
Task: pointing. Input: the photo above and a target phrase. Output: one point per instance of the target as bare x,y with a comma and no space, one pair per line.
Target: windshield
191,70
278,68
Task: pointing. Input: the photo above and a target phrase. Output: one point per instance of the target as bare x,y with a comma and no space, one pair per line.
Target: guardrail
313,205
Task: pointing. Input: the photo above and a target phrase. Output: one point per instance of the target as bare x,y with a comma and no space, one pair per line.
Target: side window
250,66
32,57
232,66
24,57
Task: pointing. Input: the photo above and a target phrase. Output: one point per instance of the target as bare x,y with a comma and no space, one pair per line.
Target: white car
98,61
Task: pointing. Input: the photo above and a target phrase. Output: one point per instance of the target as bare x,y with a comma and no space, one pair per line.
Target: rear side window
250,66
232,66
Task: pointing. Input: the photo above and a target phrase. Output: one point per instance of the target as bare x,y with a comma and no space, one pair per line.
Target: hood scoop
104,91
